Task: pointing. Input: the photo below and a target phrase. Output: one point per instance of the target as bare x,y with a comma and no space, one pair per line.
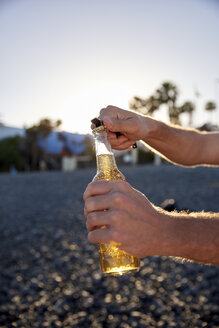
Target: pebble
49,272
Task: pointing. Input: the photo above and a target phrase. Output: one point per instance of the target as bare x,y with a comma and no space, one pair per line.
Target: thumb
115,124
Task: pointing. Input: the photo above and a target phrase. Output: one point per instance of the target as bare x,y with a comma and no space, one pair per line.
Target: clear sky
66,59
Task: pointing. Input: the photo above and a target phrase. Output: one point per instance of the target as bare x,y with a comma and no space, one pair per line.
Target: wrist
170,235
179,235
164,241
160,241
152,129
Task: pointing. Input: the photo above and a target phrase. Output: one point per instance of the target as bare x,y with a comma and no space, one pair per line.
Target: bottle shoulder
110,174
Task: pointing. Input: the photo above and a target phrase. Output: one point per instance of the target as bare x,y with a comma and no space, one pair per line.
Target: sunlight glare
84,105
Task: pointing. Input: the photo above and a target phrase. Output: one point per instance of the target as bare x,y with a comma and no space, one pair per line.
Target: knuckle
102,111
118,198
107,109
86,192
89,225
91,217
84,195
88,206
90,185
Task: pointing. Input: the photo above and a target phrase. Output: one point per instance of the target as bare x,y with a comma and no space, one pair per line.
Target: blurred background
60,63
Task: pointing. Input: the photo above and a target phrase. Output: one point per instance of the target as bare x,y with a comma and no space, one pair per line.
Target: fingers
105,205
116,200
100,219
100,187
123,146
100,236
119,143
97,203
112,135
120,139
118,125
106,195
117,119
114,112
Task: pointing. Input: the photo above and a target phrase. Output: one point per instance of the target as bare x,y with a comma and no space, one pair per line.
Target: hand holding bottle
131,125
133,223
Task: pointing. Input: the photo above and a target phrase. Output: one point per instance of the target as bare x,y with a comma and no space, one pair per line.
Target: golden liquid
113,261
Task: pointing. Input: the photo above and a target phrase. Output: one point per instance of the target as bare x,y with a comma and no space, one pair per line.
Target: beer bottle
113,261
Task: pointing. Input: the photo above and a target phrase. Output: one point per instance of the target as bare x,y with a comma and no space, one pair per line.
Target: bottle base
116,262
120,272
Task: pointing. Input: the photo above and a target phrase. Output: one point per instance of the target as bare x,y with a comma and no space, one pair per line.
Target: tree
167,94
10,154
145,106
46,126
36,133
210,106
188,107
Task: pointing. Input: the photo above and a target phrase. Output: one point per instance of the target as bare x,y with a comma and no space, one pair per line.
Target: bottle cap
97,122
99,125
99,129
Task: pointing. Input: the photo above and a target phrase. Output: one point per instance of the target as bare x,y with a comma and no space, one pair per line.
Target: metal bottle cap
99,125
97,122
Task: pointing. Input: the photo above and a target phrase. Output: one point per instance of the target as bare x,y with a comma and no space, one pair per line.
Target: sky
68,59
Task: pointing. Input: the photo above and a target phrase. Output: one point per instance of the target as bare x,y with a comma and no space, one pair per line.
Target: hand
129,124
130,221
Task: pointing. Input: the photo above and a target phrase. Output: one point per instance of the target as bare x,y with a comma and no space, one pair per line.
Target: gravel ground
49,272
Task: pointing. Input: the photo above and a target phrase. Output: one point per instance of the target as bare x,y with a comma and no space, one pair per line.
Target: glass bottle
113,261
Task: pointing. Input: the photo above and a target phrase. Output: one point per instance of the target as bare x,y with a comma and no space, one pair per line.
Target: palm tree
45,127
210,106
37,132
167,94
188,107
146,106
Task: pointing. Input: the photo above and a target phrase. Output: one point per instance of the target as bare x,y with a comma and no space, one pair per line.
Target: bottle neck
104,154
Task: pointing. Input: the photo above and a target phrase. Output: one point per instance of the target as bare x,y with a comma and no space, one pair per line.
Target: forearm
178,145
192,236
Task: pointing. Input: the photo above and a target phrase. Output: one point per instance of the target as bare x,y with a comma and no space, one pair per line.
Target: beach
49,271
